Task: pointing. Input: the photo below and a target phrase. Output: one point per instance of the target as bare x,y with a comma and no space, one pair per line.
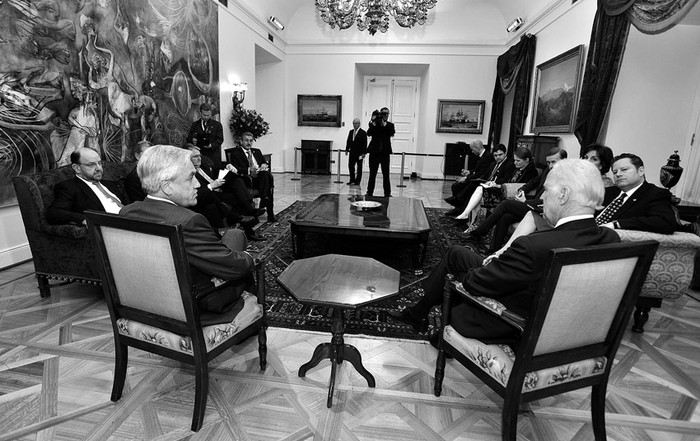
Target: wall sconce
274,21
238,94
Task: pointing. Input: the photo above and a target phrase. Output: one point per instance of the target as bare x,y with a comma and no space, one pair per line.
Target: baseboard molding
13,256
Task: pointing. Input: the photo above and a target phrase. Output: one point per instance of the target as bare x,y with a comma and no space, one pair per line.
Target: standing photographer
381,131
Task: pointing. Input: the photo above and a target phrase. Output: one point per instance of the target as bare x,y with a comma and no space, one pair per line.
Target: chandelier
373,15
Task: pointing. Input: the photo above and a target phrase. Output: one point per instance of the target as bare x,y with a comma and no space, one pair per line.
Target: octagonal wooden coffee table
341,282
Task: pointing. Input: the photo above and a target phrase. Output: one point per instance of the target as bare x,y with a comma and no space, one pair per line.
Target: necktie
607,214
251,164
108,195
495,169
354,134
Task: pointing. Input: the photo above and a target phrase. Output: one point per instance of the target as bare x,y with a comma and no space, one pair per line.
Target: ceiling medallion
373,15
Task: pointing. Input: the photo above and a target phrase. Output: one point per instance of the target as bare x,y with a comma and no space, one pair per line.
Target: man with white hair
573,190
168,177
356,145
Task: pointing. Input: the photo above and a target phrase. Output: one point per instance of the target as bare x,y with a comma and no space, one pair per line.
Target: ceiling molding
253,22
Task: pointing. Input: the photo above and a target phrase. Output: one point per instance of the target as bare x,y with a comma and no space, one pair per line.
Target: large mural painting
100,73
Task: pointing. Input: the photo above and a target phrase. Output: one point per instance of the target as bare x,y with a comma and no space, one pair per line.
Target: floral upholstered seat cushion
214,335
498,360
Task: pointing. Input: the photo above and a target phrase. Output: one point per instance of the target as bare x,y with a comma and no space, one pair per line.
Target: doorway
400,95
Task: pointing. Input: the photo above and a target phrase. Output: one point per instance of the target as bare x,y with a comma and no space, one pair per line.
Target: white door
400,95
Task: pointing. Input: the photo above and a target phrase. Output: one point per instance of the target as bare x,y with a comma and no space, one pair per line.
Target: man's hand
216,184
520,196
608,225
465,172
232,169
264,167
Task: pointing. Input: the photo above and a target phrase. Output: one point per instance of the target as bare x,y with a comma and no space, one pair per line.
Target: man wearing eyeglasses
86,191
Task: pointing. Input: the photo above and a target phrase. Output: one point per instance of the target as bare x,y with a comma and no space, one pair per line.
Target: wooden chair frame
526,361
192,327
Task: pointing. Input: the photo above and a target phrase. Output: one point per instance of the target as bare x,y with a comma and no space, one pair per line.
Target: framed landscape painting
319,110
557,83
460,116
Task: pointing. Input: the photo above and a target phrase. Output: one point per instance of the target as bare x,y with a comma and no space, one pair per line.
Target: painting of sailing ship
319,110
460,116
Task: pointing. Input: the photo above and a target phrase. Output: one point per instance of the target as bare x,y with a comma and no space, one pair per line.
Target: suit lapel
89,194
632,201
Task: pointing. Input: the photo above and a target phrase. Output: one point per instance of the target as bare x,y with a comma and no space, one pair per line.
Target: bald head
87,164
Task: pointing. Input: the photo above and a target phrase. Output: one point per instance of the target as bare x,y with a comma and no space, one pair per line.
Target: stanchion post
337,180
295,178
403,163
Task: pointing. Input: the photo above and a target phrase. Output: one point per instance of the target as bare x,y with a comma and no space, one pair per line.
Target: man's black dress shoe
406,316
271,218
256,212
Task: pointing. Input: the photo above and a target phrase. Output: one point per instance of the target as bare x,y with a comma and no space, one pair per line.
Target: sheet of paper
222,173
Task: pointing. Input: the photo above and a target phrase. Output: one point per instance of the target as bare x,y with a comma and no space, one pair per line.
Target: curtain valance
650,16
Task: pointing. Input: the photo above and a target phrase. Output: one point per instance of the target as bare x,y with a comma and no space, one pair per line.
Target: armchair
60,252
571,336
148,288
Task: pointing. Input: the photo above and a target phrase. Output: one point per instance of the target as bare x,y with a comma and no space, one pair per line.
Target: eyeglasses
92,164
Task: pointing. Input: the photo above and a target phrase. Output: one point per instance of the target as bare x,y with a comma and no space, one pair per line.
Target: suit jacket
208,255
526,175
483,166
212,133
504,172
381,138
359,145
73,196
239,159
648,209
536,183
132,184
513,278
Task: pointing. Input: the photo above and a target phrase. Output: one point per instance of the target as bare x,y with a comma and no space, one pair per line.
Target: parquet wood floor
56,361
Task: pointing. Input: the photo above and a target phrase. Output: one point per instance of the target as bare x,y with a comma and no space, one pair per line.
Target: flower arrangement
243,120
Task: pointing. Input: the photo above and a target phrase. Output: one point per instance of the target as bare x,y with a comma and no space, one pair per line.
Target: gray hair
477,143
582,179
161,163
355,120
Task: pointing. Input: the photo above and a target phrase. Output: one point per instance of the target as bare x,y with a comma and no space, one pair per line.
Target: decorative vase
671,173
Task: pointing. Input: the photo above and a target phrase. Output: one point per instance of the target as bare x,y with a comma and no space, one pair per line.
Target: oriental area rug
283,311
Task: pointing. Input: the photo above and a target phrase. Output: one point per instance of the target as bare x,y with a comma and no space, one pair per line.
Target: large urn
671,173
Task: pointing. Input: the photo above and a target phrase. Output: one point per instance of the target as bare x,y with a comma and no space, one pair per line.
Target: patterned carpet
284,311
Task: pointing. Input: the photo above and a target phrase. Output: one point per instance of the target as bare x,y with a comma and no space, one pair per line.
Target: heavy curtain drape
513,73
606,50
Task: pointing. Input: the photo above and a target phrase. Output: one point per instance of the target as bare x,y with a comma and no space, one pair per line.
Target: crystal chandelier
373,15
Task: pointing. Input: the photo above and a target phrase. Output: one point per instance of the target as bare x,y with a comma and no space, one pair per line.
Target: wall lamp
238,94
274,21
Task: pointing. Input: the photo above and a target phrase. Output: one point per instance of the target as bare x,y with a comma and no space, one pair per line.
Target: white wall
315,71
651,112
13,241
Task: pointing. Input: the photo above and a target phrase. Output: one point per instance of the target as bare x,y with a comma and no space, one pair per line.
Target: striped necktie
607,214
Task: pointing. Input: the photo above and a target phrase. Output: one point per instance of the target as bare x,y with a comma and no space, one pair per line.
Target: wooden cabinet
316,156
538,145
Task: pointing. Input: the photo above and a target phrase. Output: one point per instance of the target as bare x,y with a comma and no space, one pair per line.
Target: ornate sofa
671,270
60,252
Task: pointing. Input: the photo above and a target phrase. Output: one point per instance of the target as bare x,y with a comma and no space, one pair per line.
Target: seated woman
601,156
524,171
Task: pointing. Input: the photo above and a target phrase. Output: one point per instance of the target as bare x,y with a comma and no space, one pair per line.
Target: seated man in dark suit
250,164
210,203
132,183
86,191
168,176
481,171
510,211
573,190
230,189
632,204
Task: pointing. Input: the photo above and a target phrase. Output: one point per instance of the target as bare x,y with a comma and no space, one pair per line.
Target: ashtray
366,205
